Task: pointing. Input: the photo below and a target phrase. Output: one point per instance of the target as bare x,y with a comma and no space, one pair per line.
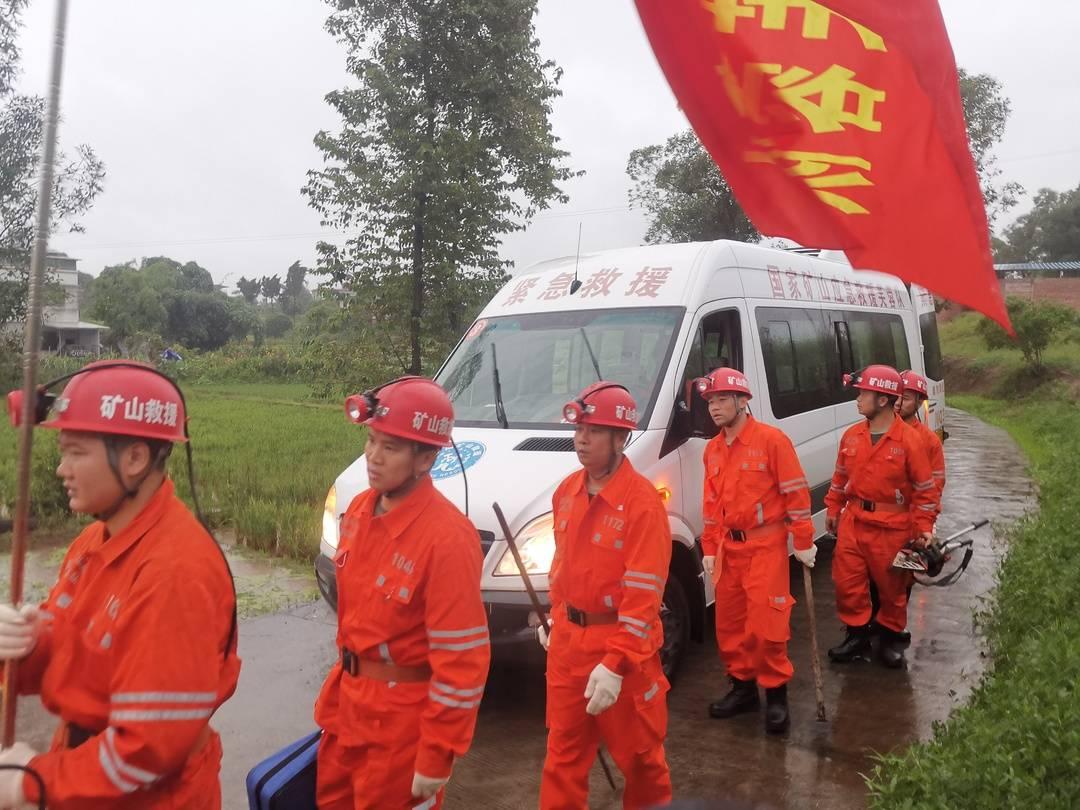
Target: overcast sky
204,111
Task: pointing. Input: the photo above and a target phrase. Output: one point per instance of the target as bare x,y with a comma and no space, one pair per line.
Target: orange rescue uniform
409,598
756,498
137,652
887,496
612,553
936,455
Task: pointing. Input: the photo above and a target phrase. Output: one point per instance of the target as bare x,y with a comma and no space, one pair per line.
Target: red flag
837,124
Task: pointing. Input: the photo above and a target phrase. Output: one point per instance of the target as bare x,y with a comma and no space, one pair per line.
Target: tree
249,288
77,182
295,296
681,188
1049,232
687,199
446,146
986,111
271,287
162,298
1037,323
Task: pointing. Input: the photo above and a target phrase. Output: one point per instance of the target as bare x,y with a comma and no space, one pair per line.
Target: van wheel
675,618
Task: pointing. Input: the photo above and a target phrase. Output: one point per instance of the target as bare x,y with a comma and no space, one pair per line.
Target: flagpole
31,346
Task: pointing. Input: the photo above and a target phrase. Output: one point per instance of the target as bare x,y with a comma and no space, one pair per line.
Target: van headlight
536,544
329,518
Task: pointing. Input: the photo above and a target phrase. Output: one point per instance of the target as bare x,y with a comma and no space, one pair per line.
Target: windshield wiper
592,356
500,409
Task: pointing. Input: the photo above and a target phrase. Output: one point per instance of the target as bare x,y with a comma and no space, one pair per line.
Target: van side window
799,358
876,338
717,342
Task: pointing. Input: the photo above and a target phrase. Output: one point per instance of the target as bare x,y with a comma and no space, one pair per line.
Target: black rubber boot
743,697
855,645
878,631
891,646
777,718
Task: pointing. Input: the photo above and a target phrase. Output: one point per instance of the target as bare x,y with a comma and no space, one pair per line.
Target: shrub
1037,323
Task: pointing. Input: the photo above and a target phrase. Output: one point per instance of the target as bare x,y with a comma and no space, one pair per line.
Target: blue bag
286,780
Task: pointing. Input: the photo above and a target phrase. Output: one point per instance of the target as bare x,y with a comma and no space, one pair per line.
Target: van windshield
545,359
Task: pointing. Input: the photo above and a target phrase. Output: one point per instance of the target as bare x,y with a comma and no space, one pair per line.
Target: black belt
585,619
77,735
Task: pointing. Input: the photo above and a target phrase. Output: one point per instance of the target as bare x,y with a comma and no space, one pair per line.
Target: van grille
548,444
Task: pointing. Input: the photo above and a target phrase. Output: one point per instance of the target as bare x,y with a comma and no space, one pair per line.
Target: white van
652,318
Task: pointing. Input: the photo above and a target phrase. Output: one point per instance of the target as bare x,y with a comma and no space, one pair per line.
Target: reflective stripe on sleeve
155,715
451,702
163,697
471,631
123,768
450,690
461,645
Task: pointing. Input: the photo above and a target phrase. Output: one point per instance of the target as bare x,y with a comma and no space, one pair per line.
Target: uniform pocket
651,708
777,618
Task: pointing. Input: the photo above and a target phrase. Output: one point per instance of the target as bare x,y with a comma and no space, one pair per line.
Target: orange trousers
753,610
633,729
376,775
864,554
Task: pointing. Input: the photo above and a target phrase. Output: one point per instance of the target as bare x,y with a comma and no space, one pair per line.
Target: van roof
690,274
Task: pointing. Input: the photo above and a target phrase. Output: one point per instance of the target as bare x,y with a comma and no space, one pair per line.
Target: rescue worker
612,551
915,392
399,706
882,496
135,647
756,500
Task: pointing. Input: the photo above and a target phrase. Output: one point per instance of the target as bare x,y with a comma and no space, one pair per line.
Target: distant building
63,329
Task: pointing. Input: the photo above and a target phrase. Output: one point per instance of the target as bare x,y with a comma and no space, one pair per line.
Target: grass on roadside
265,455
1017,742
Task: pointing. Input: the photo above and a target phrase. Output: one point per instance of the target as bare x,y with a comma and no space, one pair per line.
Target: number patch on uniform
403,564
614,523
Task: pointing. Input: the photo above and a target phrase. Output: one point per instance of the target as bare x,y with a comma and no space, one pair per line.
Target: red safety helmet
413,408
120,397
723,380
910,381
603,403
880,378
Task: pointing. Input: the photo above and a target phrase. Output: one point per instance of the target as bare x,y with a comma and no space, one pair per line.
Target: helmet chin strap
129,491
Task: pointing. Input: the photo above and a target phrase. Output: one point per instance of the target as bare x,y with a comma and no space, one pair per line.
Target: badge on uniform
286,780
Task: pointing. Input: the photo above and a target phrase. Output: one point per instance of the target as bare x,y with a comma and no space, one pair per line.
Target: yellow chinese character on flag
813,167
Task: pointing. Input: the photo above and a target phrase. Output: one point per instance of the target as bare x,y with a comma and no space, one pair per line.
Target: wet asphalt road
816,765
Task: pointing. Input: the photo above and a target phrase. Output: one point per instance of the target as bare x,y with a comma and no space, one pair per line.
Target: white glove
424,787
709,564
11,781
18,631
602,689
807,556
543,636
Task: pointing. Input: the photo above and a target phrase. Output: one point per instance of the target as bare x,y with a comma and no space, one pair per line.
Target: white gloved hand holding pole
424,787
544,636
709,564
11,780
18,631
807,555
602,689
